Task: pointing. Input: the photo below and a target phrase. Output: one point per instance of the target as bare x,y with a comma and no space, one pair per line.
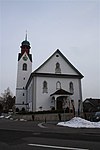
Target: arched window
58,85
57,69
25,67
71,88
45,88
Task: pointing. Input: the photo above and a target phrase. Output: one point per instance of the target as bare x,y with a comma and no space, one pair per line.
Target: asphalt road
16,135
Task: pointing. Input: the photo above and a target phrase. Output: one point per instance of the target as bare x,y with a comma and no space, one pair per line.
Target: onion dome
25,43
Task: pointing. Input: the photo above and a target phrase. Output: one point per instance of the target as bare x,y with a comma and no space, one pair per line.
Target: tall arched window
58,85
45,88
25,67
57,69
71,87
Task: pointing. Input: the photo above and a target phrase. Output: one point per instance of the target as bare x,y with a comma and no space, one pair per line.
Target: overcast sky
69,25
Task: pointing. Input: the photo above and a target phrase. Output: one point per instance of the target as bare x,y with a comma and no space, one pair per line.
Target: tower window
58,85
71,88
25,67
45,88
57,69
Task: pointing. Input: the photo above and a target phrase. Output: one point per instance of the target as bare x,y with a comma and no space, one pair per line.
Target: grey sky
69,25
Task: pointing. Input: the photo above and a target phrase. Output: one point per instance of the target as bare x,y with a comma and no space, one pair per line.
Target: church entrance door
59,103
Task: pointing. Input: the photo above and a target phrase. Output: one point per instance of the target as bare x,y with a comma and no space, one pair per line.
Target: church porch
61,99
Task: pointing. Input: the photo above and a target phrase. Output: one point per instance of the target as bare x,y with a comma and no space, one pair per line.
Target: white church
55,85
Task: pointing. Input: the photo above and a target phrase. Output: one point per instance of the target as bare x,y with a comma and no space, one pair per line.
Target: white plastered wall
22,78
44,100
51,65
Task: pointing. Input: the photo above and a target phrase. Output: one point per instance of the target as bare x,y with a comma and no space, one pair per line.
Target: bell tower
24,70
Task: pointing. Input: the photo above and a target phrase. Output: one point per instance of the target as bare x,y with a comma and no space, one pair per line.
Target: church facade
55,85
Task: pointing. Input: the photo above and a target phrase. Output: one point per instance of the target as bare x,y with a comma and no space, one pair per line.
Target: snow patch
7,117
1,117
78,122
22,120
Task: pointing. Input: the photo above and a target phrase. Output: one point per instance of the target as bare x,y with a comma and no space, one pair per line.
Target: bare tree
8,100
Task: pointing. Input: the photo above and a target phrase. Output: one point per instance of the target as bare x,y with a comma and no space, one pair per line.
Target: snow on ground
1,117
78,122
7,117
23,120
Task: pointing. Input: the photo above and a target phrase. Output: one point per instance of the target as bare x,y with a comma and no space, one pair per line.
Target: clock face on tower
25,58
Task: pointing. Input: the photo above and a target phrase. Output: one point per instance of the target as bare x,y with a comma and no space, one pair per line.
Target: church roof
35,73
59,52
61,92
